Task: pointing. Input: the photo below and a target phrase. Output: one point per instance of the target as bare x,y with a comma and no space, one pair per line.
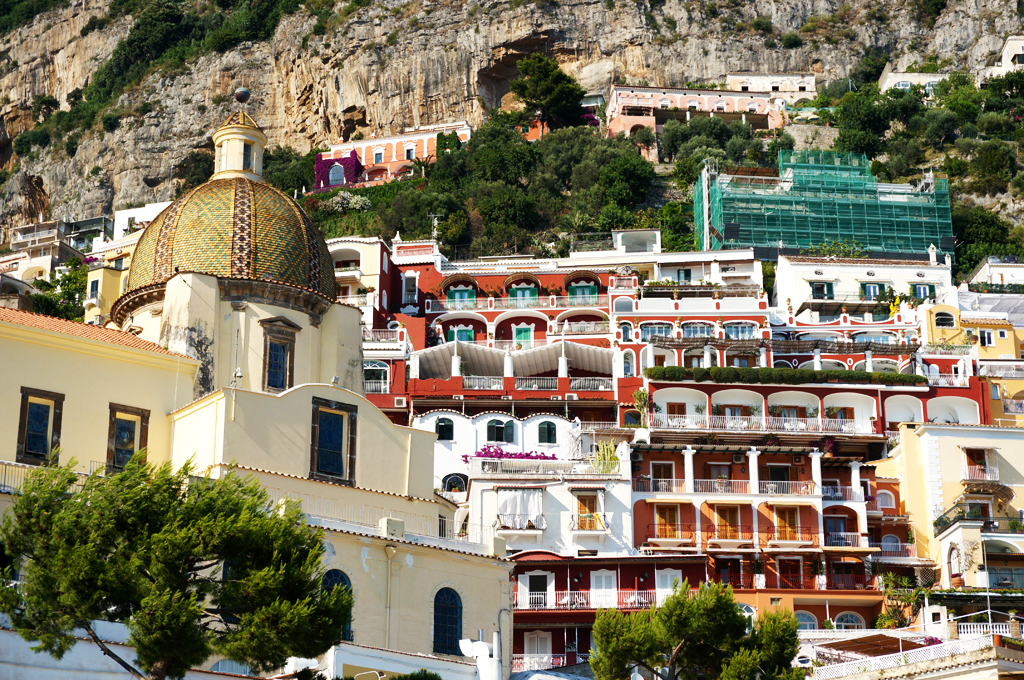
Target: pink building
385,158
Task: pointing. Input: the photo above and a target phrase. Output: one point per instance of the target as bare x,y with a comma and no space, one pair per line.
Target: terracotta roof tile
982,321
81,330
806,259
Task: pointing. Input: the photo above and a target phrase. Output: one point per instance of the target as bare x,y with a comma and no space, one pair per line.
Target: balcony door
787,524
586,510
835,527
538,585
666,521
524,337
729,571
843,577
790,575
728,522
665,580
661,476
603,590
537,646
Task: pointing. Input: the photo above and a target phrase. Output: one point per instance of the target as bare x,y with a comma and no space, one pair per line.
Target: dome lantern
239,144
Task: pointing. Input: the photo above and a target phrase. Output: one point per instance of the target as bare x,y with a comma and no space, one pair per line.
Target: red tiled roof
807,259
81,330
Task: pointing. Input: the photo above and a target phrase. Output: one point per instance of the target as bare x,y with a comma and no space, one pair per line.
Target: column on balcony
816,478
563,363
456,362
869,363
414,367
817,359
764,357
859,508
752,455
688,454
507,372
706,361
919,362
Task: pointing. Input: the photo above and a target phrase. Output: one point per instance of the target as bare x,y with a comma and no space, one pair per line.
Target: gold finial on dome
239,144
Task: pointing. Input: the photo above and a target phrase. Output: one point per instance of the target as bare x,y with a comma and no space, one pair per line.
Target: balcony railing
844,539
973,630
594,521
512,522
375,386
521,303
354,300
760,423
737,581
522,343
580,300
947,380
660,485
1013,405
599,425
979,473
670,532
380,335
583,327
791,581
586,599
1012,578
801,534
799,488
457,305
842,493
483,382
849,582
895,549
730,532
548,384
949,350
536,662
12,477
102,467
348,272
553,468
590,384
721,486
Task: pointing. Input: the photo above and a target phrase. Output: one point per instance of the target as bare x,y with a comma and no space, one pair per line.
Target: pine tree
193,566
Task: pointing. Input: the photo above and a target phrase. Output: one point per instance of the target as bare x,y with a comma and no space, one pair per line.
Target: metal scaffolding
819,196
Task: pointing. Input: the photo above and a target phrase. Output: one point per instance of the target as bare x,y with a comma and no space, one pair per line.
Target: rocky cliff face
446,61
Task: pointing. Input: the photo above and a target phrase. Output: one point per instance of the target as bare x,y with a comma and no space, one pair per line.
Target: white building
903,80
126,221
789,86
819,289
998,270
1010,59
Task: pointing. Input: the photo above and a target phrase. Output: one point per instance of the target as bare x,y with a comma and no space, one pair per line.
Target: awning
674,501
458,278
581,274
874,645
522,276
544,359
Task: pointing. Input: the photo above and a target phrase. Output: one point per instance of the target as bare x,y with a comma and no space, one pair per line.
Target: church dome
234,227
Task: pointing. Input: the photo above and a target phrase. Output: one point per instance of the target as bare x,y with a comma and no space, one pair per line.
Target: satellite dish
242,95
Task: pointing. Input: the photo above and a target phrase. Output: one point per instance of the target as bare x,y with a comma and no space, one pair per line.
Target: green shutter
508,432
451,335
931,292
471,295
864,290
491,433
533,293
829,292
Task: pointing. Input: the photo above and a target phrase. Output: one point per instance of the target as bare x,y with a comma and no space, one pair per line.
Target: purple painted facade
322,169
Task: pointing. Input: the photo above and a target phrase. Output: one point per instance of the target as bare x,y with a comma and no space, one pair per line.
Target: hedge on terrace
777,376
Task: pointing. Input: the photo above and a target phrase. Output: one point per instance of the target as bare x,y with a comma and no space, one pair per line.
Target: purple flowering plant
494,451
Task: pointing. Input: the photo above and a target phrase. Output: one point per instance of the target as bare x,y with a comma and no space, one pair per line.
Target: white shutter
664,579
602,589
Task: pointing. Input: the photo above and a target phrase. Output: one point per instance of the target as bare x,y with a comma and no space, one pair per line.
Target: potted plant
831,412
775,411
956,580
1015,526
721,484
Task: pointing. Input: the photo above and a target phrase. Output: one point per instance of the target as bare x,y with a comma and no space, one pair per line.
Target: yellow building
227,347
989,340
961,487
108,277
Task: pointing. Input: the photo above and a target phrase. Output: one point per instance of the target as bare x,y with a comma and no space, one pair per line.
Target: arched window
720,106
546,433
693,104
623,304
849,621
944,320
698,330
752,107
627,363
229,666
891,544
650,330
886,499
749,613
664,103
806,620
336,578
375,377
447,622
498,431
632,418
740,331
336,175
627,331
445,429
455,482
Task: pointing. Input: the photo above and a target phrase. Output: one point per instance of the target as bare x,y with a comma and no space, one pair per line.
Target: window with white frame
1002,335
378,157
886,499
806,621
740,331
985,337
627,363
410,290
849,621
698,330
410,153
521,509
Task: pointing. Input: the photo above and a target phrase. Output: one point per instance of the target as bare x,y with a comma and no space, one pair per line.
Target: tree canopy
192,566
63,295
548,90
702,634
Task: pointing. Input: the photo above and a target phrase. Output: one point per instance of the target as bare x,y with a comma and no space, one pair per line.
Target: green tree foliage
981,233
863,122
704,635
288,170
196,169
192,567
836,248
63,295
547,90
43,106
24,142
15,13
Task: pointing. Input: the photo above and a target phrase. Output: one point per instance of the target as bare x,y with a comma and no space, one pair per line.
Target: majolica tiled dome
234,228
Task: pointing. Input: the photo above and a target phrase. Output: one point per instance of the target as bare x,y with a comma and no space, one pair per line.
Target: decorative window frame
352,413
56,418
141,413
279,330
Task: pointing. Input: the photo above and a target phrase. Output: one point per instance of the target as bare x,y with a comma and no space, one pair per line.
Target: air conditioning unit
798,460
457,397
738,459
399,402
636,456
556,397
571,397
506,397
